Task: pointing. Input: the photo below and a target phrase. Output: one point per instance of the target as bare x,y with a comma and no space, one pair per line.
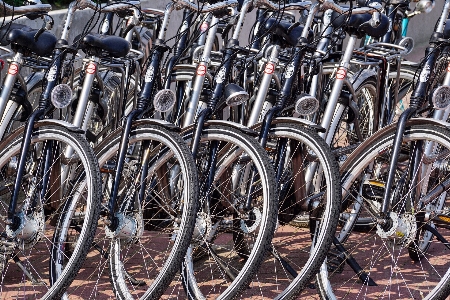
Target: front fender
65,124
162,123
392,129
292,120
46,122
423,121
237,126
33,80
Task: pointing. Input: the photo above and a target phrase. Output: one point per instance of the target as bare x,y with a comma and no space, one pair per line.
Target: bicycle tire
397,277
228,233
355,121
141,264
43,208
305,227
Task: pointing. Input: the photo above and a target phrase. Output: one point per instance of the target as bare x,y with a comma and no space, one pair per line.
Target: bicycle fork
416,101
13,221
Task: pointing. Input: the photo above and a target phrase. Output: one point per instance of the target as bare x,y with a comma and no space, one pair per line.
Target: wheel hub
251,220
203,228
30,230
129,229
401,231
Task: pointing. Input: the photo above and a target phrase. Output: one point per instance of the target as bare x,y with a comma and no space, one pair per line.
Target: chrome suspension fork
84,109
10,79
202,68
334,110
269,69
430,147
321,49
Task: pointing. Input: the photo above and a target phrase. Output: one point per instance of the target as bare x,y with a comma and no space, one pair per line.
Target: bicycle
401,185
34,195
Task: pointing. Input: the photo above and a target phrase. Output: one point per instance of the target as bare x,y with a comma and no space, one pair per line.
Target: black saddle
113,45
360,24
283,30
23,36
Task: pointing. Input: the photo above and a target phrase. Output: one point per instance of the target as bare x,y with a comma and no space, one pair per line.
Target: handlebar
290,6
269,4
105,8
152,11
373,8
25,8
180,4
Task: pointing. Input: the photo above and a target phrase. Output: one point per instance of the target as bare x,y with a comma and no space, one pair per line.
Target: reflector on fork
306,105
61,95
164,100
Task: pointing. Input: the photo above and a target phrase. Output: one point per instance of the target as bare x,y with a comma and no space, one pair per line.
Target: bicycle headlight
235,95
441,97
306,105
61,95
164,100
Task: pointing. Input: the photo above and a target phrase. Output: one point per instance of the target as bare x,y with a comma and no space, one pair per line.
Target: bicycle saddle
114,45
23,36
281,30
360,24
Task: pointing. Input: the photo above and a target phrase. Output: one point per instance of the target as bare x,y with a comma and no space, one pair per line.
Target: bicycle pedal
335,261
373,190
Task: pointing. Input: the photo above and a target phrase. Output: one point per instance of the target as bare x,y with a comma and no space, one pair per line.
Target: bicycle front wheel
309,203
400,259
156,210
237,218
61,182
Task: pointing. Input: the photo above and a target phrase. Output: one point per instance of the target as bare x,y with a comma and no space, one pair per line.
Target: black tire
58,197
228,239
383,254
308,212
142,262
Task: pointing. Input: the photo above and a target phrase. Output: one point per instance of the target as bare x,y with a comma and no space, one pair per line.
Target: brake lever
48,24
133,21
375,21
38,34
128,28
